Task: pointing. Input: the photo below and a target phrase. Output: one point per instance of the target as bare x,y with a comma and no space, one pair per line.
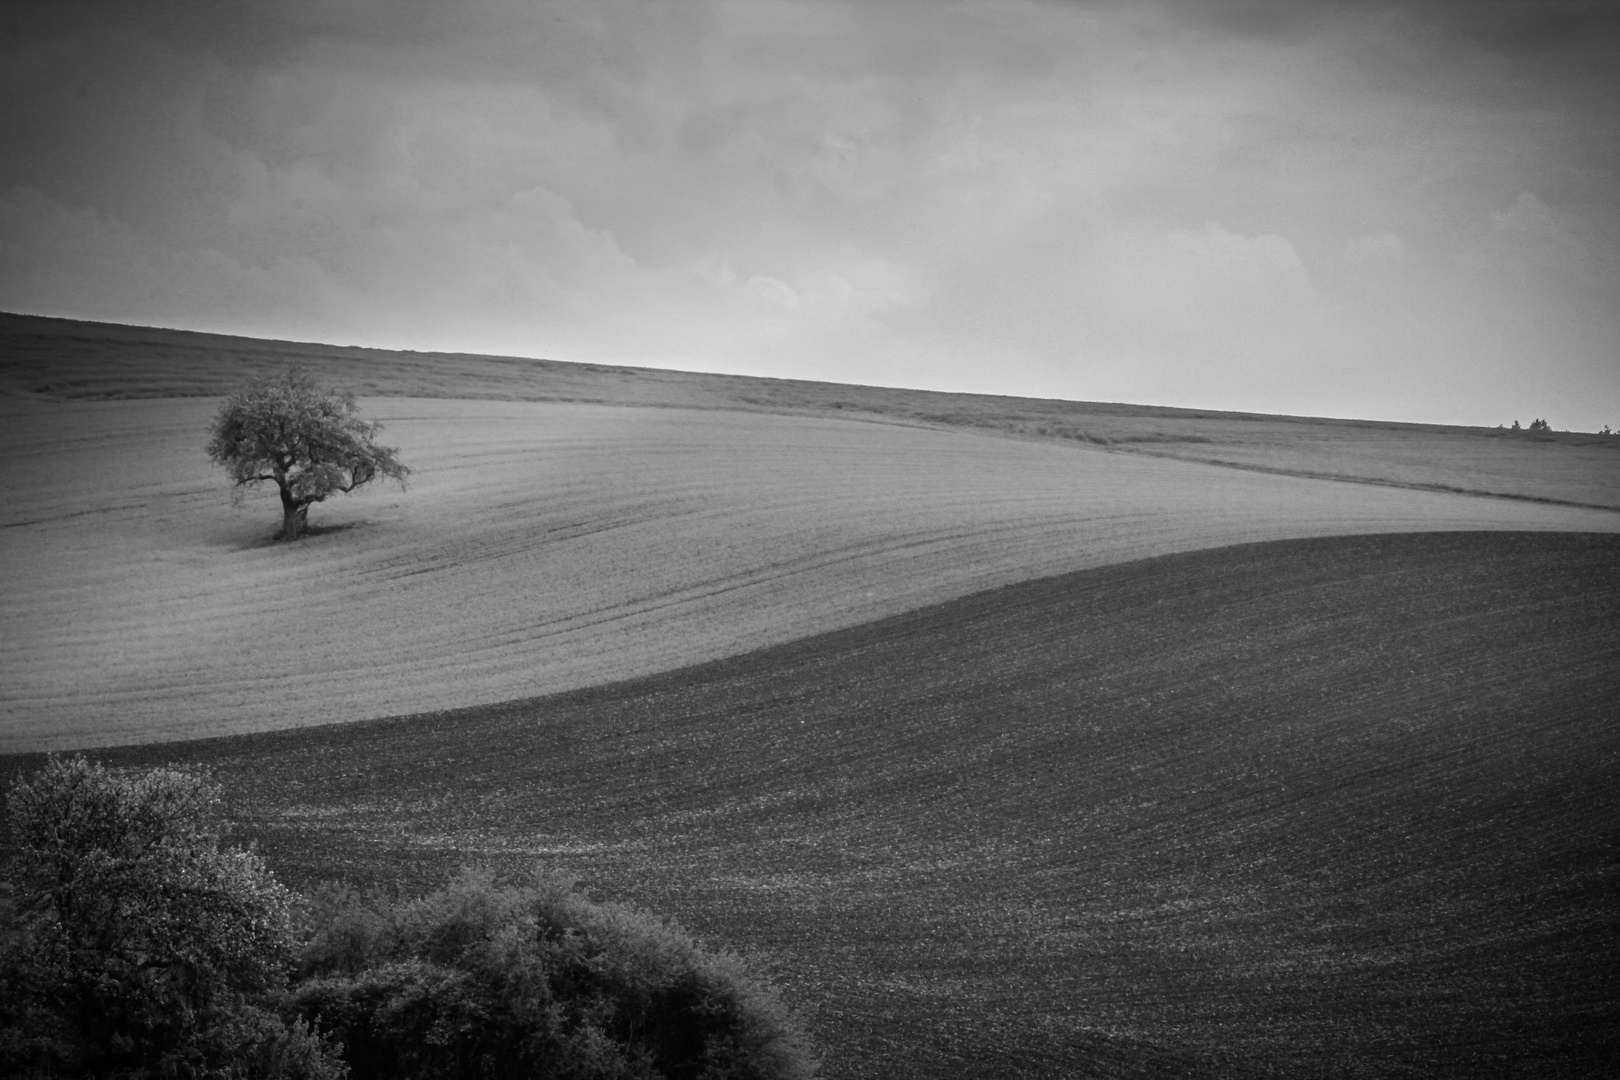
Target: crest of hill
54,359
1317,808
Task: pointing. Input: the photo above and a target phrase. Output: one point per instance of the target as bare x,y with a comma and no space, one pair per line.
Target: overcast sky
1388,210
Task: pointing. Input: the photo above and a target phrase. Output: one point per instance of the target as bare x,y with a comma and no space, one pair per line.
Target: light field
548,546
65,360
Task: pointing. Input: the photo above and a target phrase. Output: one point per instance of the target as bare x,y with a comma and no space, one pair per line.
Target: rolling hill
548,546
1316,808
1029,738
67,361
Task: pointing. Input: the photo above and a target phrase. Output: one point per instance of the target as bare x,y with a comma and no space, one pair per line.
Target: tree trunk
293,516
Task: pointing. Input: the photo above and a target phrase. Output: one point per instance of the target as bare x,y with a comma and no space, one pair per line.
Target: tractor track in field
1345,478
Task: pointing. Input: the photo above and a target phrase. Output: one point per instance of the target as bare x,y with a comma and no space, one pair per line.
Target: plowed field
1327,808
544,546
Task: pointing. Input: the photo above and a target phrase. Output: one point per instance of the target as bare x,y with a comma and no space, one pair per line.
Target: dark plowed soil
1329,808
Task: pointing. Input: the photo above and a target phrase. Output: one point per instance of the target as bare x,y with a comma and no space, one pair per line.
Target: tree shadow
274,538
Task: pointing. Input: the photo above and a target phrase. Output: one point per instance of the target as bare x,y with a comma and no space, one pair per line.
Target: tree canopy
310,441
137,944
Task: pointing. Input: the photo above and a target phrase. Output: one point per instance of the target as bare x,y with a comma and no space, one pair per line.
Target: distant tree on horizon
310,441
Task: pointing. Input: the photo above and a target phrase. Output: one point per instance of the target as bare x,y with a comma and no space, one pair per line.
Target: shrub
529,978
134,942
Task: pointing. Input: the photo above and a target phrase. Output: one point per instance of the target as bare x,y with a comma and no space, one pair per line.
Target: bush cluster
528,978
135,943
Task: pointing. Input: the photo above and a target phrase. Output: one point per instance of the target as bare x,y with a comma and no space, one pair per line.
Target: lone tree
310,441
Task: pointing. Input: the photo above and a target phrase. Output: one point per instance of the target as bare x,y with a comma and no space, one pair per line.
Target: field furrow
1316,809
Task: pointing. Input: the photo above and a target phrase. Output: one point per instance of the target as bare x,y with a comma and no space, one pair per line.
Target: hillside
63,360
548,546
1029,737
1318,808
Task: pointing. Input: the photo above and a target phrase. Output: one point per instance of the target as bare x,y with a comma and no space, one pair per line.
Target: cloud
1151,199
773,291
55,257
1288,20
1376,249
1529,240
1221,295
1548,26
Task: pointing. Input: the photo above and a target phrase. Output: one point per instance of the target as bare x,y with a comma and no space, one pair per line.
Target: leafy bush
134,943
527,978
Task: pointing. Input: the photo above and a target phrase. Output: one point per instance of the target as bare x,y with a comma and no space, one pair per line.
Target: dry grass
543,547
